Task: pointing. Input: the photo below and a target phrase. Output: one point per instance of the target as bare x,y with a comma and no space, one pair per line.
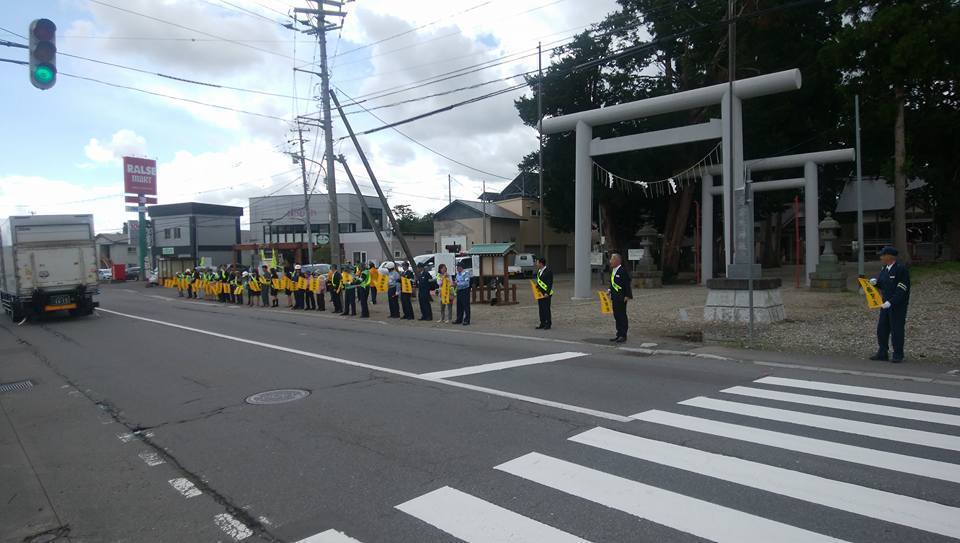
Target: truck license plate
60,302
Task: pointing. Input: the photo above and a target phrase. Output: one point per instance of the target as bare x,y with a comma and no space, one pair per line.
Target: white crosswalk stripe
329,536
893,433
472,519
477,521
846,405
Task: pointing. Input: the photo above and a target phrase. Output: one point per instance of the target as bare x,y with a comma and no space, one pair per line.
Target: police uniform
545,285
893,283
363,289
425,284
336,286
620,292
393,285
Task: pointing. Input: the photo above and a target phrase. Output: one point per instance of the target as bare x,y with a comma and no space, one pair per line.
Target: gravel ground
828,323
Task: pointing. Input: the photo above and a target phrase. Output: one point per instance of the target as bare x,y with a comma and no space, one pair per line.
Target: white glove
886,305
873,280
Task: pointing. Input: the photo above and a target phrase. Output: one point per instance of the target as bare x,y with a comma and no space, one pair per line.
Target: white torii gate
811,212
584,121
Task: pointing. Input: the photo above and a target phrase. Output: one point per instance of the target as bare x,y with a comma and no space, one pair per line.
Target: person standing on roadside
264,286
405,297
463,295
620,292
425,286
393,290
545,286
445,292
336,286
363,289
893,282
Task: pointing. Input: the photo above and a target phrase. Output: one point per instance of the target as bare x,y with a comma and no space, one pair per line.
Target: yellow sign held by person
606,304
382,283
238,290
874,300
313,285
406,285
537,293
346,278
254,285
302,283
446,291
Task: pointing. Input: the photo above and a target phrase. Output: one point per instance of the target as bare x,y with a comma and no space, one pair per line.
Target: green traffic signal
44,74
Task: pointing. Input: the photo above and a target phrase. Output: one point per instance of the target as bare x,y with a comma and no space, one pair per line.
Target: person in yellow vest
393,290
264,279
620,293
335,284
288,286
309,297
321,292
445,286
405,297
275,287
363,289
298,293
350,294
544,285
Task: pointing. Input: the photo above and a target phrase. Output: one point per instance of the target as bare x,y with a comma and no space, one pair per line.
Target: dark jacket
622,280
894,285
545,276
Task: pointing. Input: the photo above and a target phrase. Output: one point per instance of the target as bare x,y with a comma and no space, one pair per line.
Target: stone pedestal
728,300
829,275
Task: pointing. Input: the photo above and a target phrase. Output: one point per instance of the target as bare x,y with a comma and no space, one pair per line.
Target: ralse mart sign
139,175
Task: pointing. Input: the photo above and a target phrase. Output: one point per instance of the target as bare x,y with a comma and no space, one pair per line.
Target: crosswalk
787,405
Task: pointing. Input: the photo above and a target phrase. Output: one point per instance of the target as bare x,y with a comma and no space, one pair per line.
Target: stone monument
829,275
645,273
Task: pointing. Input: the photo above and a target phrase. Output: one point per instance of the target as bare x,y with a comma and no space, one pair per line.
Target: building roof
492,210
194,208
877,194
119,237
498,249
525,184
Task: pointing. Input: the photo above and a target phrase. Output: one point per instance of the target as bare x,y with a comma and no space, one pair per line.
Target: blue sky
62,148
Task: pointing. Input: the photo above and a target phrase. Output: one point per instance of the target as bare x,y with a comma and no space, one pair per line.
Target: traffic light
43,53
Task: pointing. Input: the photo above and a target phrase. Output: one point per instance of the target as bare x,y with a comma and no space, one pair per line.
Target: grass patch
923,271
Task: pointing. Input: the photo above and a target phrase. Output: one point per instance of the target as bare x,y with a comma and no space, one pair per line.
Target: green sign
168,250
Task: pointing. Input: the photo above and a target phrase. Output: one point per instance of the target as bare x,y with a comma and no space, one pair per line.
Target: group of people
306,290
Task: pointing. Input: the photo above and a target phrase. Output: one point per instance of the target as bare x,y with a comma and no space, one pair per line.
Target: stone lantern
645,273
829,275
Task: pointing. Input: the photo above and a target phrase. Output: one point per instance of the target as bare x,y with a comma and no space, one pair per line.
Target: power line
434,151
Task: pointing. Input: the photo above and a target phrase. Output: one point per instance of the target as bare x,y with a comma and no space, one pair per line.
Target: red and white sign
139,175
136,200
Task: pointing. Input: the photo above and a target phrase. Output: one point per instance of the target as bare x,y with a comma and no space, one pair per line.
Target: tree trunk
675,227
900,179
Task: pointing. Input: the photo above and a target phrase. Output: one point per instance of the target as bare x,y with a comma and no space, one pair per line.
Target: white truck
47,263
525,265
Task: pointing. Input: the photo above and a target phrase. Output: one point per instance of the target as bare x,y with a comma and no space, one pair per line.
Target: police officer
425,284
620,292
462,282
405,302
350,296
893,282
544,285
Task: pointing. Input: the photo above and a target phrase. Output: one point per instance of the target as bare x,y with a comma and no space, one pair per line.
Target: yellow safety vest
613,281
543,286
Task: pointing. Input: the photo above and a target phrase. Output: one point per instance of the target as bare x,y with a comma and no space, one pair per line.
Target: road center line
491,391
496,366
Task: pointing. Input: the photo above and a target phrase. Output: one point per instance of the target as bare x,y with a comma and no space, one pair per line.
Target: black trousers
350,305
463,306
543,304
298,299
620,315
373,295
407,306
426,310
394,302
337,301
364,292
309,300
890,328
322,301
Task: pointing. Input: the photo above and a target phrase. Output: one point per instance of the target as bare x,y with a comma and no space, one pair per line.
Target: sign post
140,178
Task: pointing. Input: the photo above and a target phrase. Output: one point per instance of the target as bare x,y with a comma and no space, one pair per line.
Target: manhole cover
283,395
19,385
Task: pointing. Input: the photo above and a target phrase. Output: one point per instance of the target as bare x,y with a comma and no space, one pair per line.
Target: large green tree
687,49
903,58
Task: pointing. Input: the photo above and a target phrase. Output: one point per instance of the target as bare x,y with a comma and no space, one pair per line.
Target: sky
62,147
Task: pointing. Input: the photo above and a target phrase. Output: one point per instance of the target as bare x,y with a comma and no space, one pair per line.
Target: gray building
115,249
192,231
280,219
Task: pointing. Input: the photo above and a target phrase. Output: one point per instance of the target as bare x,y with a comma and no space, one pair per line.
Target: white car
104,274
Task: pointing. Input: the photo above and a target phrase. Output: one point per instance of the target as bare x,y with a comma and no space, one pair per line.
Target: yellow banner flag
446,291
314,285
406,285
276,284
537,293
874,300
346,278
302,283
606,304
254,285
288,283
217,288
238,290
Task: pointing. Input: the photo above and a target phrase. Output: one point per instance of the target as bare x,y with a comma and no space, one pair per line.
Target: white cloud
124,142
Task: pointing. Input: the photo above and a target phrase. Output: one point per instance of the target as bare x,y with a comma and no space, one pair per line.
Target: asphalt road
137,429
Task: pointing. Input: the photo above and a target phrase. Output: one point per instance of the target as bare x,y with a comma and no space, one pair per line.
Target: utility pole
320,29
449,190
388,254
483,204
306,196
373,180
540,139
856,118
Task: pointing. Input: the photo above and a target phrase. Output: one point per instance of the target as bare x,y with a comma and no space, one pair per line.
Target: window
396,254
176,233
166,233
377,218
347,227
359,256
534,212
131,250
